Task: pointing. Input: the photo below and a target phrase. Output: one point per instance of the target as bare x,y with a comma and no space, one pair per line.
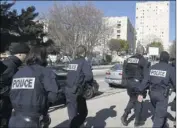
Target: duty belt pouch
166,92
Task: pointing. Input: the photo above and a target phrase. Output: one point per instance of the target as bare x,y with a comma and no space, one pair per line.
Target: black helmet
164,57
81,51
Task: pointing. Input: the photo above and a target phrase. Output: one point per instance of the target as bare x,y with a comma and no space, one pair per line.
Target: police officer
133,73
173,107
79,73
157,79
33,88
19,52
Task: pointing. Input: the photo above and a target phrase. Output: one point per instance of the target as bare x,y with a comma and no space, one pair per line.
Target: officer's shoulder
8,62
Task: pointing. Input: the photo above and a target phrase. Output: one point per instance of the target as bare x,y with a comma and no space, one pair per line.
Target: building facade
122,29
152,22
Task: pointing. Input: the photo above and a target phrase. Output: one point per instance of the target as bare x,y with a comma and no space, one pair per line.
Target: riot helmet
81,51
164,57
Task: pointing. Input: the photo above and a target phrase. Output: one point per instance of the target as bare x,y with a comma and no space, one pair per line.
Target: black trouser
133,103
77,110
5,112
160,103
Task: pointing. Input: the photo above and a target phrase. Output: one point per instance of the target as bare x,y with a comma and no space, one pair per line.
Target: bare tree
73,25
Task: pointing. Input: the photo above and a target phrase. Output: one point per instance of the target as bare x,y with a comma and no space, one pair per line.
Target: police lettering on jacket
72,67
133,60
158,73
23,83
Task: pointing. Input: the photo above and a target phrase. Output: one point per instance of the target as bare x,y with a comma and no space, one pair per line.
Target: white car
114,75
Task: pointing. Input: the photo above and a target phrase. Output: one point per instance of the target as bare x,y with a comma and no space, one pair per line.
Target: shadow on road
147,111
117,86
98,94
100,119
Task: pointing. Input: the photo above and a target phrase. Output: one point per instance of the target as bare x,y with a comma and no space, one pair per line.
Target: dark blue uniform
79,72
33,87
157,79
12,63
133,73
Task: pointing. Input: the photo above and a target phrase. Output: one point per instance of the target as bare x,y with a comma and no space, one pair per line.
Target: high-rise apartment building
152,22
122,29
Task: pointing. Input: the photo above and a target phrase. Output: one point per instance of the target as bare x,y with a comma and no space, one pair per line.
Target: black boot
124,119
139,123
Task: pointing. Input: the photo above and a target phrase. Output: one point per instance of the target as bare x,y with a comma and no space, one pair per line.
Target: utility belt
160,87
41,120
81,89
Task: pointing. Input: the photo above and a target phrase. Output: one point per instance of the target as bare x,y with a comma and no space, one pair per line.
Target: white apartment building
152,22
122,29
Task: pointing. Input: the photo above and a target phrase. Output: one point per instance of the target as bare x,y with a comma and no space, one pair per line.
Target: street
106,109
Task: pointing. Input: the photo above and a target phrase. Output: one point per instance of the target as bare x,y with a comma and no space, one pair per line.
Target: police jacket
33,87
3,67
12,63
79,72
135,67
160,74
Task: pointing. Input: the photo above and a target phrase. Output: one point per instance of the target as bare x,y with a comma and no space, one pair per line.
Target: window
118,36
118,25
118,31
136,8
136,17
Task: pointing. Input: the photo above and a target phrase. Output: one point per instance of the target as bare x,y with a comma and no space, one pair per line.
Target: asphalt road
106,109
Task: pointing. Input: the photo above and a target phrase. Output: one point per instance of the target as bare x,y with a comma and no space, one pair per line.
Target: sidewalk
106,112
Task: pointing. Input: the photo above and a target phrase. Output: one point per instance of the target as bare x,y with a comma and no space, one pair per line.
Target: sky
110,8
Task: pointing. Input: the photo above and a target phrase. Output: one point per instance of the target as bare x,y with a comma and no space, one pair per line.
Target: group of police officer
27,91
138,76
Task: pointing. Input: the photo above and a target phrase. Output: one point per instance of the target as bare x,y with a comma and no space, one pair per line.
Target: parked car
61,74
114,75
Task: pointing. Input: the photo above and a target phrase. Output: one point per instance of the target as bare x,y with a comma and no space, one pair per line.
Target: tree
156,44
114,45
124,45
20,27
173,50
75,24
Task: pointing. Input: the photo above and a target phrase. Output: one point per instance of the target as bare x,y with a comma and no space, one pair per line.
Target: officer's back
27,92
79,72
33,87
160,72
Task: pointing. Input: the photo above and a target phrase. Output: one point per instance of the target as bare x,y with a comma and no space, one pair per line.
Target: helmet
140,49
81,51
164,57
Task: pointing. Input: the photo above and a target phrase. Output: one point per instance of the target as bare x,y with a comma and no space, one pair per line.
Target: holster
167,92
